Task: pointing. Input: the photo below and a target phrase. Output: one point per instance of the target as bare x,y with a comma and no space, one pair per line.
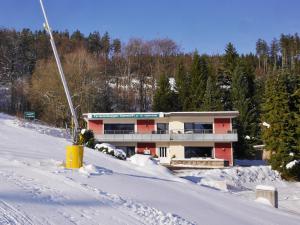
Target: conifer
163,97
199,75
212,100
279,137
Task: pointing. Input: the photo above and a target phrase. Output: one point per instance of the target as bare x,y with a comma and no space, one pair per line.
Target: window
129,150
162,128
196,152
162,152
118,128
197,128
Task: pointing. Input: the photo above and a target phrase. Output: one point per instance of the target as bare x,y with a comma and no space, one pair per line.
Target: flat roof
151,115
207,113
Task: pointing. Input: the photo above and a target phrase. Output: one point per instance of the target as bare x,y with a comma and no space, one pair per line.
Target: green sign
29,115
135,116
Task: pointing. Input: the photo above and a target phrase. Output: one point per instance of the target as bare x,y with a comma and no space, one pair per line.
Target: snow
242,182
263,201
266,124
291,164
109,147
172,83
119,153
142,160
265,188
36,189
88,170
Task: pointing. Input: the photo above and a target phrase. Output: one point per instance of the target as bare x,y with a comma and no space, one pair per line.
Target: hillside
36,189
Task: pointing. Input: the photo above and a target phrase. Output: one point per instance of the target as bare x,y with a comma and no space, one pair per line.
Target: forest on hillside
107,75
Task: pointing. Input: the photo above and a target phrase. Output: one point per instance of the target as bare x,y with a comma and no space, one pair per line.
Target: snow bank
119,153
109,147
142,160
265,187
146,164
236,178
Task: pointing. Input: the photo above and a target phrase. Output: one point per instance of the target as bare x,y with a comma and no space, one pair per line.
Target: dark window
118,128
197,128
129,150
194,152
162,128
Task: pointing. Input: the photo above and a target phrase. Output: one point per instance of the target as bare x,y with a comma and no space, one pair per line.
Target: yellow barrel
74,156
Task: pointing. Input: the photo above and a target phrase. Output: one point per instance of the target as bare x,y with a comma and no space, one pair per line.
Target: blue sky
206,25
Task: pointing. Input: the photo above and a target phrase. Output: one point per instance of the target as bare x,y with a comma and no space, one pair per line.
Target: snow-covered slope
36,189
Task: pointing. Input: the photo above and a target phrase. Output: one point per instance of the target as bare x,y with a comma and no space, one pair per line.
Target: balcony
202,135
163,136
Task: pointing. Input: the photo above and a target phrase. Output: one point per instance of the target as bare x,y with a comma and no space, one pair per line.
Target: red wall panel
96,126
224,151
142,146
222,125
145,126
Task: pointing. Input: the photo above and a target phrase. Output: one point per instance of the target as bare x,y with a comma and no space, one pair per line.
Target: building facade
169,135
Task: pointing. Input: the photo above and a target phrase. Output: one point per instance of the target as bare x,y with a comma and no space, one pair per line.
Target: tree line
107,75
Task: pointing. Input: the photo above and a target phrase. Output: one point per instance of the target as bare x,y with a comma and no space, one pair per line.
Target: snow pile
266,124
88,170
108,146
119,153
111,149
291,164
142,160
265,188
236,178
146,164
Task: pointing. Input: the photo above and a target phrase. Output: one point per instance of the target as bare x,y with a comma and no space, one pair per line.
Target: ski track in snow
123,208
11,216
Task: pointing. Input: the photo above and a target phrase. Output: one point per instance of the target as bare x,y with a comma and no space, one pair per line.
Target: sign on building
124,115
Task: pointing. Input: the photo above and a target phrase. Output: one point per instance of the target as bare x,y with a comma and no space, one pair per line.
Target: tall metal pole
61,72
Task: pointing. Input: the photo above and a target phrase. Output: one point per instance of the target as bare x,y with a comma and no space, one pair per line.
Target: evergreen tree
183,83
163,100
78,39
94,43
103,99
105,43
230,61
199,75
116,45
212,99
246,123
280,136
